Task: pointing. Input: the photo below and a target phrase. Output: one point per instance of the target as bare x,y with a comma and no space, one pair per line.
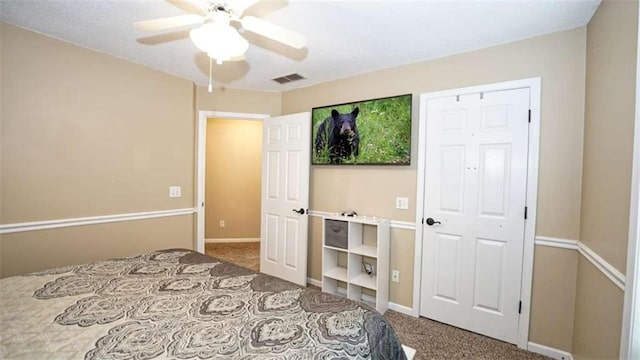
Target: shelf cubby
347,243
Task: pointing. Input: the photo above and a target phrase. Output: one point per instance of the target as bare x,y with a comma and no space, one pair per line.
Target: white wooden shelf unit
346,243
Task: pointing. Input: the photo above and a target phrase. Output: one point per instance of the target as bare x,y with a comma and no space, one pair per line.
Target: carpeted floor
431,339
243,254
434,340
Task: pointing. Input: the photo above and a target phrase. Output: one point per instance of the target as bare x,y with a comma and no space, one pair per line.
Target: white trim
630,348
231,240
535,89
318,213
601,264
91,220
402,225
534,85
235,115
392,306
396,224
549,351
417,248
557,242
201,162
401,308
607,269
314,282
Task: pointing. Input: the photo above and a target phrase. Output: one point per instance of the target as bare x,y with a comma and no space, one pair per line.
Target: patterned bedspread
180,304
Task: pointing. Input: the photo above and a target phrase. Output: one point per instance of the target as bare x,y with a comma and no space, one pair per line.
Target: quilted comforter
180,304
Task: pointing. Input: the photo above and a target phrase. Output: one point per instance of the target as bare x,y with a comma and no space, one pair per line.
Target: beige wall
559,59
606,182
598,315
86,134
233,178
92,138
45,249
553,295
609,122
240,101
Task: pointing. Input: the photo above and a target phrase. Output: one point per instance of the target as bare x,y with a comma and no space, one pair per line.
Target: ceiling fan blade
169,22
241,5
275,32
191,6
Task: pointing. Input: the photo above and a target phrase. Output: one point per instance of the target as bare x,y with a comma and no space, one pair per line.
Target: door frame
534,86
629,344
201,147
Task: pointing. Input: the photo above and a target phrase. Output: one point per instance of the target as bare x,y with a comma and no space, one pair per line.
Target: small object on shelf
351,213
368,268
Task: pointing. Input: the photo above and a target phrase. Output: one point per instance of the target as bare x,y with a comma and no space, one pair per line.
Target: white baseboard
401,309
231,240
392,306
314,282
549,351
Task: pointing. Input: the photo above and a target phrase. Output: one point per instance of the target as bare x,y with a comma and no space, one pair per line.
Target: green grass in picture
384,127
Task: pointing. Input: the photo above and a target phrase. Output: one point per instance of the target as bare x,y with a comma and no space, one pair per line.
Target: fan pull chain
210,66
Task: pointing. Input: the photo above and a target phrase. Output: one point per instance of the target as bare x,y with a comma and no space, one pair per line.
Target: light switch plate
402,203
175,191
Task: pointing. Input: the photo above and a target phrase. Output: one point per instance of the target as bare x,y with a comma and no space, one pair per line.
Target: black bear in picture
339,134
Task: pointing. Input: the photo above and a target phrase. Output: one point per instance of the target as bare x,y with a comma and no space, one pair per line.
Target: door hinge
520,308
422,221
203,204
529,115
525,212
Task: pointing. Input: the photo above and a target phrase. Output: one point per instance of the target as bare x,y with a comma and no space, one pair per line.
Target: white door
475,193
285,196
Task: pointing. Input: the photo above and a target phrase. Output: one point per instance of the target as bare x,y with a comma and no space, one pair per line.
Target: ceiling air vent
288,78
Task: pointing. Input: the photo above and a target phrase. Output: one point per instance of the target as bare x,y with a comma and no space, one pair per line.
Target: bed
181,304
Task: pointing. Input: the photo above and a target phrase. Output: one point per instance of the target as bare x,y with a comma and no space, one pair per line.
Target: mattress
180,304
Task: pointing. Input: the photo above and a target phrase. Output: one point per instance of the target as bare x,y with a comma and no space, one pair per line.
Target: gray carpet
434,340
431,339
243,254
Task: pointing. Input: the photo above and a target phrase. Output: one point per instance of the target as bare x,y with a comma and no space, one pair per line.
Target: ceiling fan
215,35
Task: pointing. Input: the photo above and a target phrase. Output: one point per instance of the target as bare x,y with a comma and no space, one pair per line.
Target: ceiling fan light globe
200,38
219,42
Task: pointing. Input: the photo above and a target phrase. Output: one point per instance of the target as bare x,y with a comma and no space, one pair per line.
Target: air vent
288,78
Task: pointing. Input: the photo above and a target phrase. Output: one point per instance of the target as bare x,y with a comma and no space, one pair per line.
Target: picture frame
368,132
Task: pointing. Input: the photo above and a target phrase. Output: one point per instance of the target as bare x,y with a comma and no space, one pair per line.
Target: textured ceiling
345,37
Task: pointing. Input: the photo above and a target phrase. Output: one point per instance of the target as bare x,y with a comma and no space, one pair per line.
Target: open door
285,196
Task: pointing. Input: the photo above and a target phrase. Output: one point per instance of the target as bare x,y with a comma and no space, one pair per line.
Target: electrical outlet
175,191
222,224
402,203
395,276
